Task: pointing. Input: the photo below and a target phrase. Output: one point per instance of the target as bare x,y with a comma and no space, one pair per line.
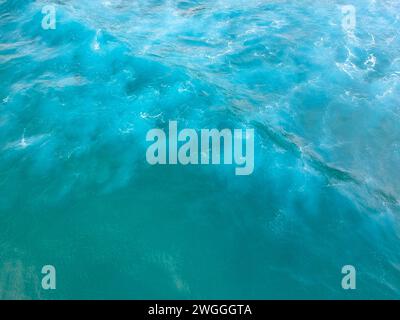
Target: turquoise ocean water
76,191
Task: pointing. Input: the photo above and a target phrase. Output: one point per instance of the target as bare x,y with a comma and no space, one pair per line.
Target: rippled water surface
76,191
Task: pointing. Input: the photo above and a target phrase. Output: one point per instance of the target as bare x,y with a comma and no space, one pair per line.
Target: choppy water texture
77,193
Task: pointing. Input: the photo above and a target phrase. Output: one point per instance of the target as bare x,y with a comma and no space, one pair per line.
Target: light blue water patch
76,191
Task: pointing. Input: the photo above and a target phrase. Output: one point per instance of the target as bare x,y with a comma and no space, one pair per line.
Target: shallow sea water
76,191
